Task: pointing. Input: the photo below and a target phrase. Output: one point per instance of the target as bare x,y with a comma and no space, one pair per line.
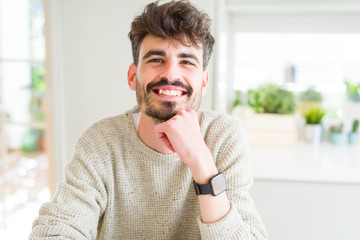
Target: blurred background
289,70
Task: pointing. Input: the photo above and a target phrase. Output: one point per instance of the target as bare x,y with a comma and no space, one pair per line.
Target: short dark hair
178,20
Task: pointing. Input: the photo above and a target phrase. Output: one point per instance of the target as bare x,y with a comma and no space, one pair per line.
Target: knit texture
117,187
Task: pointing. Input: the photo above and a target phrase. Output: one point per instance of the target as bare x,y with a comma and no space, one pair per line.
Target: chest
153,199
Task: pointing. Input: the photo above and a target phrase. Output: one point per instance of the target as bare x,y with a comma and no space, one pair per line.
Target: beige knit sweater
118,188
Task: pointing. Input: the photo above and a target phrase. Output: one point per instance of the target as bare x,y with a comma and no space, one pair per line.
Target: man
133,176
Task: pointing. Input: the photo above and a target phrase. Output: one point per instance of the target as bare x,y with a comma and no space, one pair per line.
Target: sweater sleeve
242,222
77,204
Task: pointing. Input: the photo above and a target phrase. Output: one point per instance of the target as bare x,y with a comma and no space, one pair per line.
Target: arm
77,204
182,135
232,156
220,218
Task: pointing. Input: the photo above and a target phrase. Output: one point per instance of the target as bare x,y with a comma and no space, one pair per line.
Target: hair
178,20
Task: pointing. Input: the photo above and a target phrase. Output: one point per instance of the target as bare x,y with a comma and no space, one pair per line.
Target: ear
205,82
132,76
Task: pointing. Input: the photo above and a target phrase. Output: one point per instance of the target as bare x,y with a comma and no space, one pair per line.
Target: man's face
169,77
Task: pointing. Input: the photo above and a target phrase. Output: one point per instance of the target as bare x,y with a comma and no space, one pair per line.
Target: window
24,161
321,60
296,45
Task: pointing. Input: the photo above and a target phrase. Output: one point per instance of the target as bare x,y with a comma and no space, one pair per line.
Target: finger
165,140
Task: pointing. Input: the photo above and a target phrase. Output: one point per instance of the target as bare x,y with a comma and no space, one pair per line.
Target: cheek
145,77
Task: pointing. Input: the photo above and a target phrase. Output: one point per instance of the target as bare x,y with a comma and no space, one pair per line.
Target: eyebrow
154,52
188,55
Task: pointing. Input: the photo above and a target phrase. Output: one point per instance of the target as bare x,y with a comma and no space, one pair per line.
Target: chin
163,113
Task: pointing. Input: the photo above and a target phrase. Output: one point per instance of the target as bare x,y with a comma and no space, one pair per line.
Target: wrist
203,178
203,170
201,164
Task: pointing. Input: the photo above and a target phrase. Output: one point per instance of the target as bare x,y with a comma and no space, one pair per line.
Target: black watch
216,185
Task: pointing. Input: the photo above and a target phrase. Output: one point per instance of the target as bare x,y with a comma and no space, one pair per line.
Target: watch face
218,184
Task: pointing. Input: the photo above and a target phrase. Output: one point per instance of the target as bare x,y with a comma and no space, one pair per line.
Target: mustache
166,82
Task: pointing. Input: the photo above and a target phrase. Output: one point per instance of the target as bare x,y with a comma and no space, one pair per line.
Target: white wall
97,54
90,42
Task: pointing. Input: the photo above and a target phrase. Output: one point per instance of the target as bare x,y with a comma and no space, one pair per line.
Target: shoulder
105,127
106,132
221,130
218,122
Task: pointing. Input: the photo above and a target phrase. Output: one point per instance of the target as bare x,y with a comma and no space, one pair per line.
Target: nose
171,71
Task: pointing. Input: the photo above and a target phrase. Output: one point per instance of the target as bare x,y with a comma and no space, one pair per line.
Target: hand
181,134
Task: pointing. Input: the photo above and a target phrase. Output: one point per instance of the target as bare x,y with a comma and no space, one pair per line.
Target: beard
167,109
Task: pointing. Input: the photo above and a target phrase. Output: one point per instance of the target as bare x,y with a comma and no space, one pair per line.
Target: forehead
151,42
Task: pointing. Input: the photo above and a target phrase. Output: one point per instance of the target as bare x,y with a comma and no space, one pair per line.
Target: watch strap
201,189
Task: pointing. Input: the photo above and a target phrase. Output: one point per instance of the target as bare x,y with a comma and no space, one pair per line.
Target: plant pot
353,138
273,129
337,138
313,133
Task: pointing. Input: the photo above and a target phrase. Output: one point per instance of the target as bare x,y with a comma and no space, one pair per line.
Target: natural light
324,61
24,161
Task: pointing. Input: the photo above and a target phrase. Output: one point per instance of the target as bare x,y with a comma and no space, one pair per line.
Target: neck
147,134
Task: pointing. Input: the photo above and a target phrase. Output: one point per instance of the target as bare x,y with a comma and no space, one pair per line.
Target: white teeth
170,92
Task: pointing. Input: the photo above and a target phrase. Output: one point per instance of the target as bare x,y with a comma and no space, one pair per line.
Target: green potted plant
308,99
353,91
337,135
238,98
313,129
274,121
271,98
351,105
240,109
353,136
33,139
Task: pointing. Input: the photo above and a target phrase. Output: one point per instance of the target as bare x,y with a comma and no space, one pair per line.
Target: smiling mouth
169,92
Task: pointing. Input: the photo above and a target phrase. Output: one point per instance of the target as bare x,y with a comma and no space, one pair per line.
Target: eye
187,62
156,60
